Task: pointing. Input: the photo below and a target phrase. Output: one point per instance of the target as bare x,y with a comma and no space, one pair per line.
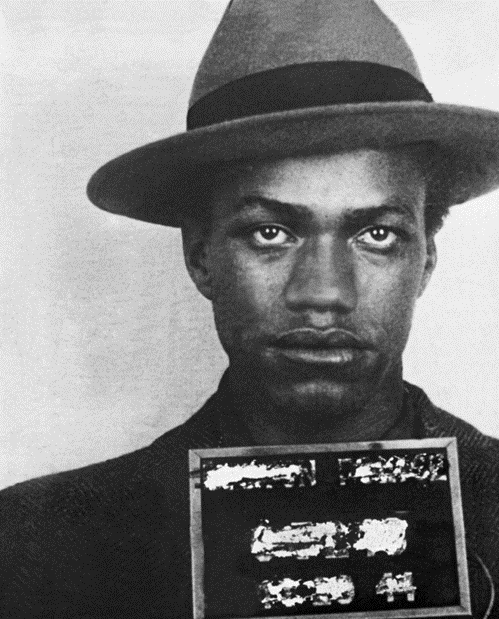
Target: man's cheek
394,319
253,289
386,305
237,311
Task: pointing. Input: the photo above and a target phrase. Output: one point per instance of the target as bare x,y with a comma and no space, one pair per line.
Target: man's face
313,266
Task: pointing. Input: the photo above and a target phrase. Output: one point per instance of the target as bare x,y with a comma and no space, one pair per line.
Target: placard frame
449,444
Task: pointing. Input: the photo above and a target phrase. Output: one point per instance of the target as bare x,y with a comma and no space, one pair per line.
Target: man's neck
382,417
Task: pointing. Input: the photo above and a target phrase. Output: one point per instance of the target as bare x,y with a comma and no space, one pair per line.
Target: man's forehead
356,179
405,156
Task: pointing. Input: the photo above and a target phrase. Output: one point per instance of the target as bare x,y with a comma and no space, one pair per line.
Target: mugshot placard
336,530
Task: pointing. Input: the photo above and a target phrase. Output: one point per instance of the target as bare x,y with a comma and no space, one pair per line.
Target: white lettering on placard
331,540
386,536
256,475
422,467
321,591
400,584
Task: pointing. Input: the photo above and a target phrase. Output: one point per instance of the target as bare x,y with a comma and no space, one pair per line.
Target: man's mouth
334,347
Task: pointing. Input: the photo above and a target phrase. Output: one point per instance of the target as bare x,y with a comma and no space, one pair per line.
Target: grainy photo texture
247,224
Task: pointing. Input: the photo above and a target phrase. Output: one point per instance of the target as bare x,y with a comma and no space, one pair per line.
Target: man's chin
321,397
311,388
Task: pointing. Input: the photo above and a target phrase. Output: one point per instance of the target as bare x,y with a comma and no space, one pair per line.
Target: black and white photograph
250,225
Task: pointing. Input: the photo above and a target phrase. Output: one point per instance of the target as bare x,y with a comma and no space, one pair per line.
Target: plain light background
104,343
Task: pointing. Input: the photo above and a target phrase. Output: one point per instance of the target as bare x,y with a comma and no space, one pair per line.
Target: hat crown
261,35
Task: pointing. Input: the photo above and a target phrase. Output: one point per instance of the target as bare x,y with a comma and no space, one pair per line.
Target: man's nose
323,277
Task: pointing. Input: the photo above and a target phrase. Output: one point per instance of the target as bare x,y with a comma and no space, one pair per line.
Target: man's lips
333,346
318,339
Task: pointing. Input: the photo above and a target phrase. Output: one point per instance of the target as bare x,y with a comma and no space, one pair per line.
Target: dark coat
111,540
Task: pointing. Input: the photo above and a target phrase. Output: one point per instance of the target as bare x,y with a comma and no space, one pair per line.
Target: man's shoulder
68,488
137,481
467,434
107,472
61,534
437,422
478,454
478,457
96,492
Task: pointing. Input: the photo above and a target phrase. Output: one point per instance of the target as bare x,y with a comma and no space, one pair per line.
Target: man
309,186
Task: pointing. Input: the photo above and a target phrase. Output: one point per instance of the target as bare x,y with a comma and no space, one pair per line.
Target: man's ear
195,239
430,264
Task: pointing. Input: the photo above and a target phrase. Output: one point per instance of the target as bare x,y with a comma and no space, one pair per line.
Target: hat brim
151,183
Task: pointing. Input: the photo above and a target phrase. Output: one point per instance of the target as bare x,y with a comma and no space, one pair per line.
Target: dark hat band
307,85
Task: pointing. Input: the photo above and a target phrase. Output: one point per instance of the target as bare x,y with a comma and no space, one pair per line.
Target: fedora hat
296,77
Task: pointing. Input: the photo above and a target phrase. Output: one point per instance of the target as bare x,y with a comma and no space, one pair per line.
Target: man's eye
270,236
379,237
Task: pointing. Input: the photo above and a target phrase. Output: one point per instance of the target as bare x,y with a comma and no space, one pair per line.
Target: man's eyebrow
352,215
253,201
401,209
